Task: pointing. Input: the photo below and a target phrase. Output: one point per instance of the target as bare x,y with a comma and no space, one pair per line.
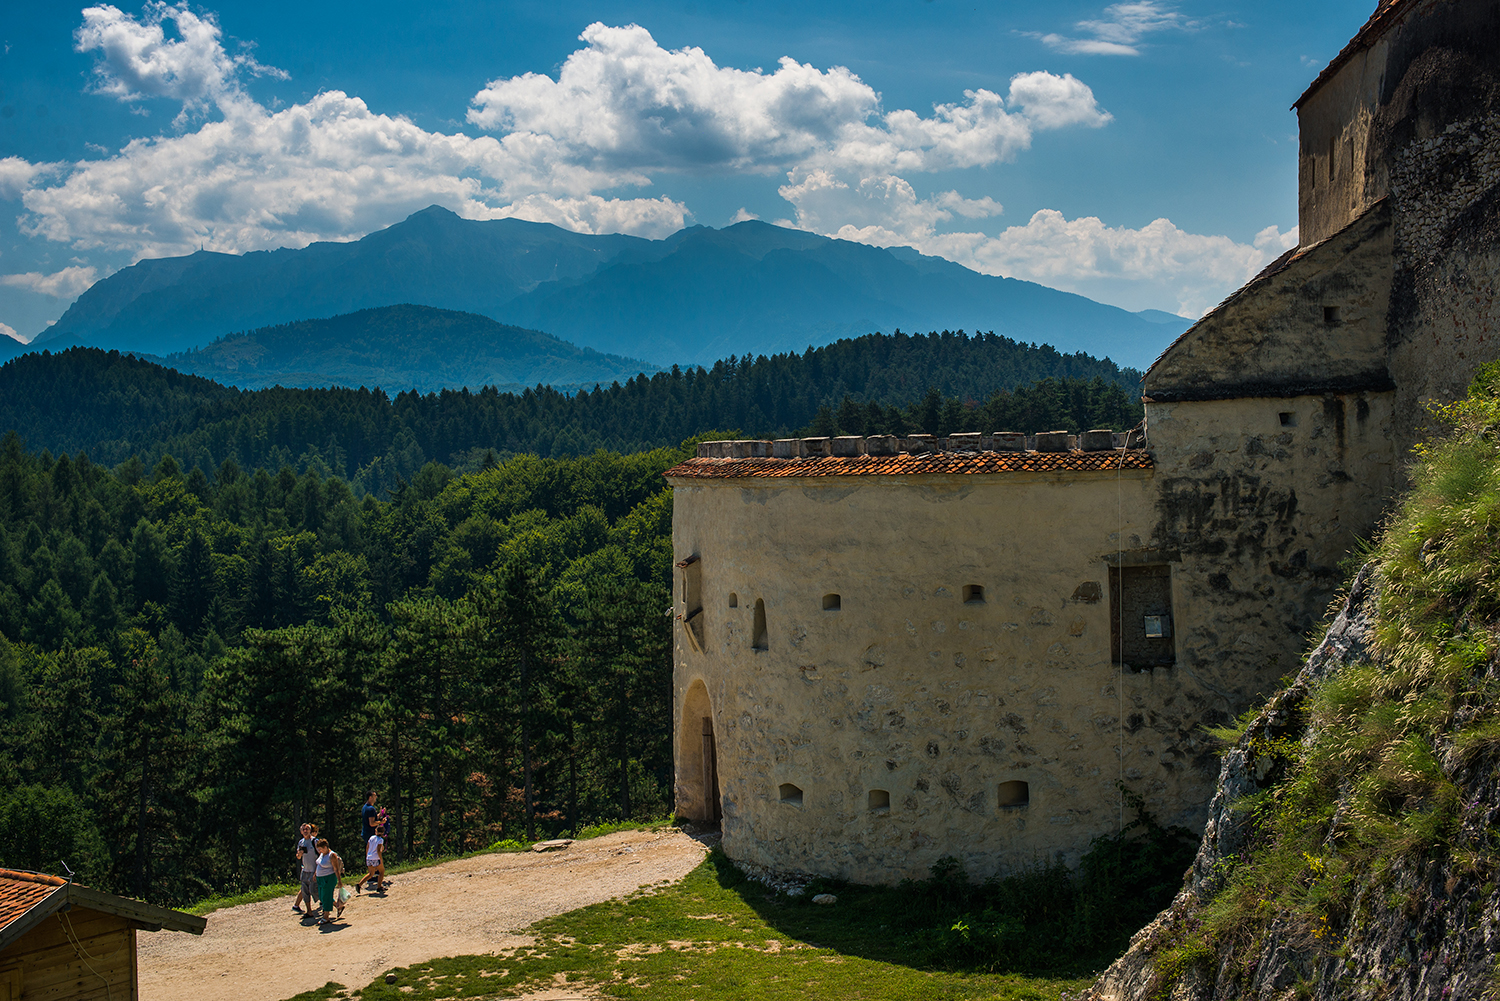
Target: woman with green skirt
329,870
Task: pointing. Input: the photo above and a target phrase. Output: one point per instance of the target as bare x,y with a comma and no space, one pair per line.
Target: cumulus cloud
1084,254
625,103
6,330
65,284
329,169
1119,31
138,60
16,175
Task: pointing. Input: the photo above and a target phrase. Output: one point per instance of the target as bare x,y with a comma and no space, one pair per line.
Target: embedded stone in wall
1052,441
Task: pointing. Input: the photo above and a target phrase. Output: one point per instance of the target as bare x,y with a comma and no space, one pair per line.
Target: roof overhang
146,917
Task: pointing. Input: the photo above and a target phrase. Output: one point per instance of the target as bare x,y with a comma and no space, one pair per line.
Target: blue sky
1141,153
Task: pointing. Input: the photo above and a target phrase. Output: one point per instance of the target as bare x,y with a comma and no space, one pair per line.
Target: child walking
374,861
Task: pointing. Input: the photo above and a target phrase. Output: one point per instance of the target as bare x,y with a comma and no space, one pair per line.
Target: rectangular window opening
973,594
759,637
880,801
790,794
832,602
1288,419
1140,620
1013,794
1331,315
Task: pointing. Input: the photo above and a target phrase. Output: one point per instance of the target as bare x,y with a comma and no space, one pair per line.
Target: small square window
832,602
1288,419
1331,315
880,801
973,594
1013,794
790,794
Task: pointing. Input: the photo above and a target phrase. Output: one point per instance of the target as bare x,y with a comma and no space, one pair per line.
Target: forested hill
114,406
402,347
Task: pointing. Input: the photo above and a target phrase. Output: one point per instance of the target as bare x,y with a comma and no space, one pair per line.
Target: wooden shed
62,941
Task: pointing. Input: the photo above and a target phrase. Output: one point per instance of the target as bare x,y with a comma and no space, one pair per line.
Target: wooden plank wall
52,970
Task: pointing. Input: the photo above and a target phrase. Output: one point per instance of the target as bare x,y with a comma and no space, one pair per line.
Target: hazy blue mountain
402,347
1162,316
697,295
433,258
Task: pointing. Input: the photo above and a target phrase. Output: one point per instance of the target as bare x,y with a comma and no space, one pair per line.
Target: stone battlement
1099,440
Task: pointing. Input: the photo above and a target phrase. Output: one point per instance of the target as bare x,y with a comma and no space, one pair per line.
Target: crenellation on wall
847,446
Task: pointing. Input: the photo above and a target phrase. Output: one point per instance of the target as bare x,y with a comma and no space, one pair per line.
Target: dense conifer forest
223,613
190,665
116,407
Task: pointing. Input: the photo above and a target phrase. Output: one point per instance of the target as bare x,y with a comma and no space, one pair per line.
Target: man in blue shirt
367,817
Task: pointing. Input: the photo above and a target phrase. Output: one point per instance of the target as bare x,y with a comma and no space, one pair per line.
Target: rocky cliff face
1427,927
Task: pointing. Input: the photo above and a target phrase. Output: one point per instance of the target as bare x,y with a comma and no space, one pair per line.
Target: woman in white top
329,870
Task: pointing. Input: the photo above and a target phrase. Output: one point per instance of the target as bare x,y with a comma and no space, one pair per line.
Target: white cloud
626,103
138,60
7,330
653,218
742,214
68,283
1120,30
16,175
1084,255
329,169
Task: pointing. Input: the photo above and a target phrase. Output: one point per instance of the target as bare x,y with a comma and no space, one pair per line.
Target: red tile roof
921,464
21,891
1387,13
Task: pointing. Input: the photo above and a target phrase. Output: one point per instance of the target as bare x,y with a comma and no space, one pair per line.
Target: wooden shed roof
27,898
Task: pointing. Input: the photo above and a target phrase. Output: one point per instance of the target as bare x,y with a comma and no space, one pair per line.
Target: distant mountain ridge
695,296
402,347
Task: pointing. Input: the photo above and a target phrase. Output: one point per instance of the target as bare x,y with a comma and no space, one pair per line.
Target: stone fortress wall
894,670
868,739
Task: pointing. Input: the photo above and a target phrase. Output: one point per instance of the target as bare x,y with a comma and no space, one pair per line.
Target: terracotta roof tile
21,891
920,464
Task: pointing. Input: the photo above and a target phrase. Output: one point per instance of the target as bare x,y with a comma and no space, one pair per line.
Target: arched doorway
697,758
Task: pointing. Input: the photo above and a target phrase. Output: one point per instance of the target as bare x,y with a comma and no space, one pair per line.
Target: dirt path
261,952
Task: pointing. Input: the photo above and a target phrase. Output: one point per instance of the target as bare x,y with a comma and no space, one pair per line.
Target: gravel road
262,952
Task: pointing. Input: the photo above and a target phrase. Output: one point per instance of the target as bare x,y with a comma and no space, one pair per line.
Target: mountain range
697,295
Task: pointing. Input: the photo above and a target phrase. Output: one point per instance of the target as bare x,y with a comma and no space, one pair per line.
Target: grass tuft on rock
1371,785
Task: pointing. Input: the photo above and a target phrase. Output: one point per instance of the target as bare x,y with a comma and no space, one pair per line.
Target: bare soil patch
262,952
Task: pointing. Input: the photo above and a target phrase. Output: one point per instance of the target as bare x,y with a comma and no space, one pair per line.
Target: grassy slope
715,935
1379,788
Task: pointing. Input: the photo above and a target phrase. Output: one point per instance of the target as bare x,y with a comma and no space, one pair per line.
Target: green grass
273,890
1366,790
716,935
